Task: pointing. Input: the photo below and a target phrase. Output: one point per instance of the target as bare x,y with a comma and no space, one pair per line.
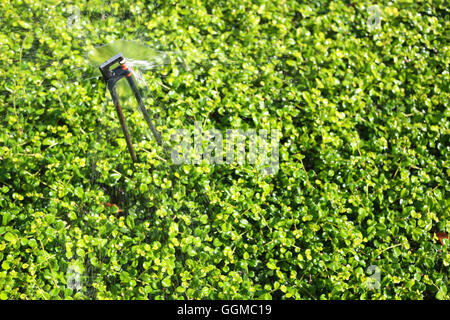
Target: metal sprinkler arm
143,109
111,77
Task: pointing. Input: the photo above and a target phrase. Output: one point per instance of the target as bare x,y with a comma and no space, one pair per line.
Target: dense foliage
364,153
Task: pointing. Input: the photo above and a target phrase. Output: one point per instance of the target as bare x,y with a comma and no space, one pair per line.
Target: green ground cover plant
363,179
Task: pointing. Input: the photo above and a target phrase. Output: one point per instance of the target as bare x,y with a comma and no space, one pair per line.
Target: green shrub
364,153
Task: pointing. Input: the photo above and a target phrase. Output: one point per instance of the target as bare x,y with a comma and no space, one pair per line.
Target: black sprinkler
111,78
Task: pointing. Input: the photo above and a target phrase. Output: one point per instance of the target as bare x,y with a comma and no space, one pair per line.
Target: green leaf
166,282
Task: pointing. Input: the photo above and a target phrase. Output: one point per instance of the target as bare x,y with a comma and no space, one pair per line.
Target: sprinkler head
105,66
112,76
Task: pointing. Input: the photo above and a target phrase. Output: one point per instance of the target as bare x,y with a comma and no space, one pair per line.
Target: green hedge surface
359,92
